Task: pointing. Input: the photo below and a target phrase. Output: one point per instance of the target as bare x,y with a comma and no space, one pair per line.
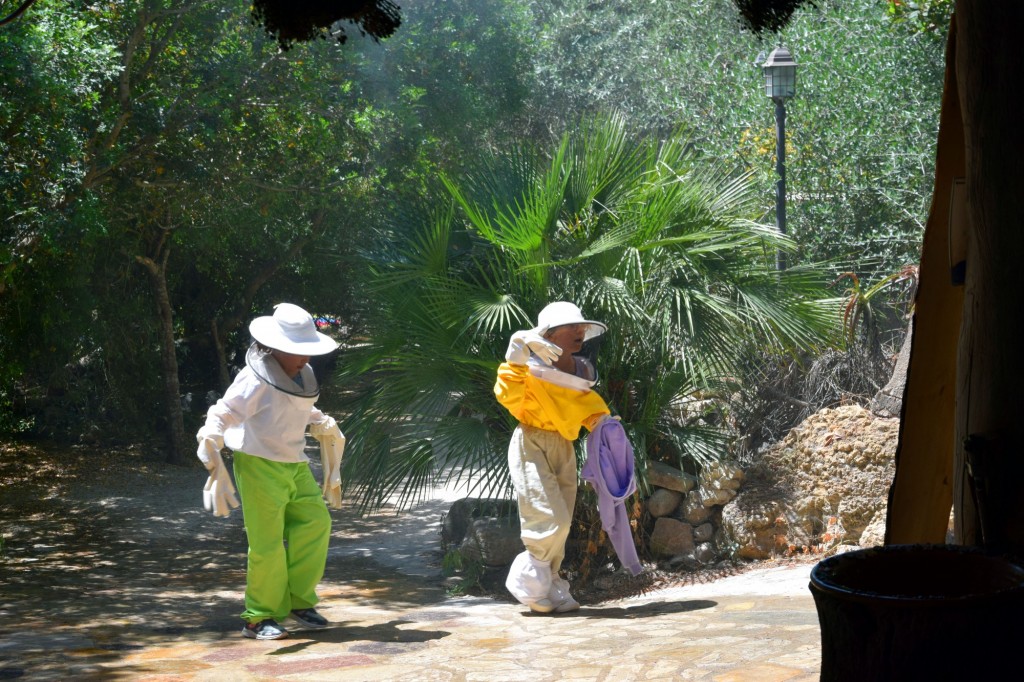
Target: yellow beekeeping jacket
545,405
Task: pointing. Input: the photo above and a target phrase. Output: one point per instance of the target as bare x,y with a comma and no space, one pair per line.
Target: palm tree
637,234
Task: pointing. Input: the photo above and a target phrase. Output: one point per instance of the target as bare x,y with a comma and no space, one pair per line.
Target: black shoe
265,629
309,618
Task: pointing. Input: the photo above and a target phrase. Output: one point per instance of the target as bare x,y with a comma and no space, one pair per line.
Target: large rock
757,535
721,476
671,537
462,513
703,532
492,541
874,534
666,476
663,502
718,484
823,483
692,509
705,553
712,497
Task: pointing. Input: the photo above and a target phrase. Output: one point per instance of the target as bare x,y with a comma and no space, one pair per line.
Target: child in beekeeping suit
263,418
547,387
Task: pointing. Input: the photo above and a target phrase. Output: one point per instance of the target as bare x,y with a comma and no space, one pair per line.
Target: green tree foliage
182,174
204,169
861,129
456,80
51,69
926,16
636,232
168,156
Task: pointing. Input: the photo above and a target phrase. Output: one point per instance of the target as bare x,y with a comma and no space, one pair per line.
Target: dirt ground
97,537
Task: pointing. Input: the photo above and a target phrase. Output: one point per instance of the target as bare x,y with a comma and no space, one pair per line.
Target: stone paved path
157,598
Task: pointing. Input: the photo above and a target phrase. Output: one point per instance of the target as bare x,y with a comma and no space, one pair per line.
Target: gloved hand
526,341
332,450
324,427
210,445
219,493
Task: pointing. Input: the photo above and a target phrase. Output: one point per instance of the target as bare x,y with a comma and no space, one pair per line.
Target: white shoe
542,606
559,595
566,605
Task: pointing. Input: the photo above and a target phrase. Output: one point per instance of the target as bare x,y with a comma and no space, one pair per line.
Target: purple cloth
610,469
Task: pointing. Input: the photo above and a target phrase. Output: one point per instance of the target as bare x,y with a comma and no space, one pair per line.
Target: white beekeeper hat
291,330
562,313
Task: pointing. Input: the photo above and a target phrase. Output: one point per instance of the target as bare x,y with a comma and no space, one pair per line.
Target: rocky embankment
824,485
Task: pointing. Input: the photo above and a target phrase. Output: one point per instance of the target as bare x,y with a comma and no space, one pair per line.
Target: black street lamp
780,84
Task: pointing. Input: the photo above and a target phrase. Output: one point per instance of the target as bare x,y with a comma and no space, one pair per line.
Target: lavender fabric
610,469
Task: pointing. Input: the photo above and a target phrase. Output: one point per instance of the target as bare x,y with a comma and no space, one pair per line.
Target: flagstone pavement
148,605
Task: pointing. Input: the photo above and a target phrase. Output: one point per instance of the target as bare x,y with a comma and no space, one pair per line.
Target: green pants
289,529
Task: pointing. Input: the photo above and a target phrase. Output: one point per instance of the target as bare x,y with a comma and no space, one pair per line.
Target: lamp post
780,84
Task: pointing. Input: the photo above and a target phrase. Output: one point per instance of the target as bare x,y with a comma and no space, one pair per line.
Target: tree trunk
223,377
178,443
990,55
888,401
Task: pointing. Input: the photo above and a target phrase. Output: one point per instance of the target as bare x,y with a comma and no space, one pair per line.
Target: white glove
332,450
318,429
528,341
210,445
219,493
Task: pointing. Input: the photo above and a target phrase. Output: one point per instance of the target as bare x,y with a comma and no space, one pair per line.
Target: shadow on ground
106,552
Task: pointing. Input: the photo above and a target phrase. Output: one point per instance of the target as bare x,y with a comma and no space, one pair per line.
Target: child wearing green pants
263,417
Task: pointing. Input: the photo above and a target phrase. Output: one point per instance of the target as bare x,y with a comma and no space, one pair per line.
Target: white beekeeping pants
543,469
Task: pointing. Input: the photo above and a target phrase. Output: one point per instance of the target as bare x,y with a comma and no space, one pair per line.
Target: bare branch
17,13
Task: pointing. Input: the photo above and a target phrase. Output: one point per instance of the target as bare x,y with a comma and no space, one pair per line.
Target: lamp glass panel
780,81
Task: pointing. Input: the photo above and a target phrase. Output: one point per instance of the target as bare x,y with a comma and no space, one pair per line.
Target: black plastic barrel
919,612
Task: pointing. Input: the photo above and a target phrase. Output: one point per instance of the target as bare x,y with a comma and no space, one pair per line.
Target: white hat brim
594,329
266,331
